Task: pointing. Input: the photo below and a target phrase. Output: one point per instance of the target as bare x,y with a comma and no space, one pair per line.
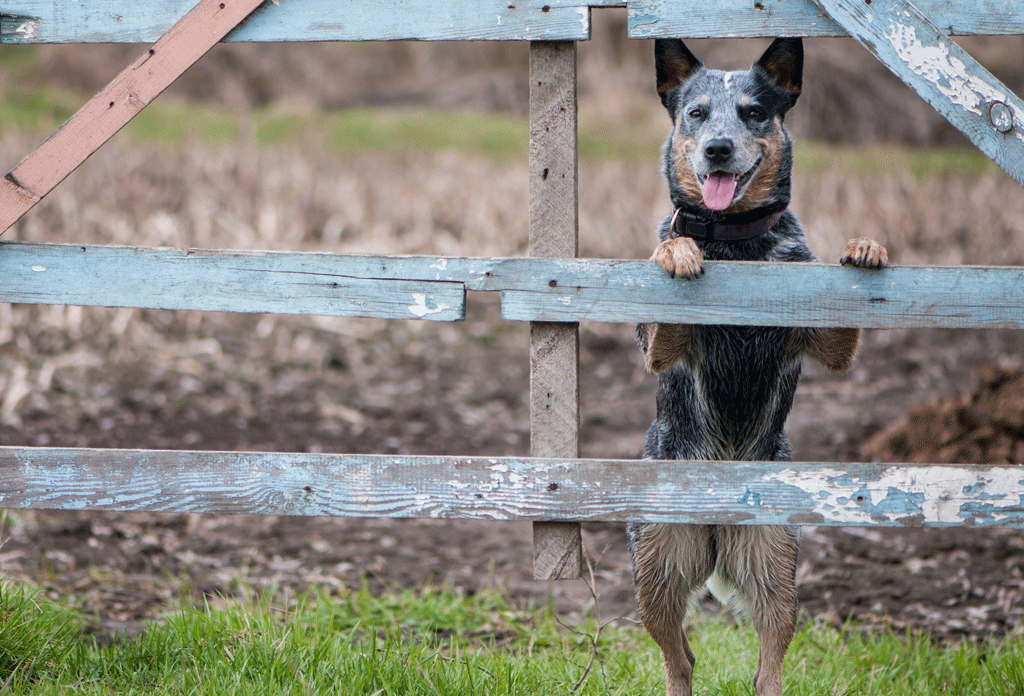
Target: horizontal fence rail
532,289
504,488
144,21
753,18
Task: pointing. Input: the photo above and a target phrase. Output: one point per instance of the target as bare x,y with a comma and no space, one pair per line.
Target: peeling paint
28,30
420,307
751,498
440,265
934,495
947,73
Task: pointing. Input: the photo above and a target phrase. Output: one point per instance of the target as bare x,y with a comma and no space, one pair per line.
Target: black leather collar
686,224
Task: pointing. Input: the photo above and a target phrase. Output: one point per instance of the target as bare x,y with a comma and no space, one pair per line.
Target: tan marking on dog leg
670,562
666,345
864,253
761,563
833,348
680,257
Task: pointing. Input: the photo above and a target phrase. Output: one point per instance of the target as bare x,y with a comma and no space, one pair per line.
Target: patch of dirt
983,427
447,398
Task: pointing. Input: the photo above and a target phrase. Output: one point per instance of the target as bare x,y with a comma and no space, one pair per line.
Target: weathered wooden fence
552,290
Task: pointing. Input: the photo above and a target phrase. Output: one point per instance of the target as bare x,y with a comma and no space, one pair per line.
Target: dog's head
728,151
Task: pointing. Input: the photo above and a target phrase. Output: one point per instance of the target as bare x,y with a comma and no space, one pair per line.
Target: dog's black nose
718,150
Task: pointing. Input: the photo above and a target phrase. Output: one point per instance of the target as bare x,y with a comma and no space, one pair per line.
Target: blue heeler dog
724,391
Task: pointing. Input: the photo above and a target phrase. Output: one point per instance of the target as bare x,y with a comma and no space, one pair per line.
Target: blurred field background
420,148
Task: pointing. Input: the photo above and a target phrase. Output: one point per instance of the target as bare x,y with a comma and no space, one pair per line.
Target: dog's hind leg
670,562
761,563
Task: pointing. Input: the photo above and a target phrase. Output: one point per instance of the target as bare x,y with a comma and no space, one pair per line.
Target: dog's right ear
674,64
783,62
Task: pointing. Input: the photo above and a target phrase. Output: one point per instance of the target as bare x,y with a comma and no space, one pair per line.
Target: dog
724,391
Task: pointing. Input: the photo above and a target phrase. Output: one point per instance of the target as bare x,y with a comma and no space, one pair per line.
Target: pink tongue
719,188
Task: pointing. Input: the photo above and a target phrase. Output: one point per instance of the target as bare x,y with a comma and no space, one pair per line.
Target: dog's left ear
784,64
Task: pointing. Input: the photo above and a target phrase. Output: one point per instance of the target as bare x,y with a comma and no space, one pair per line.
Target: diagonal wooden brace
119,102
945,75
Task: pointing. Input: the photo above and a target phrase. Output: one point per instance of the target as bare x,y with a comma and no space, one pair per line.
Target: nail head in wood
1001,118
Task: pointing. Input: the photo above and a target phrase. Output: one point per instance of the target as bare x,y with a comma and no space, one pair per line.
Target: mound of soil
983,427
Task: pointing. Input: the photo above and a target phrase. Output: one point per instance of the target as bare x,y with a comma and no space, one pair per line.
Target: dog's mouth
719,188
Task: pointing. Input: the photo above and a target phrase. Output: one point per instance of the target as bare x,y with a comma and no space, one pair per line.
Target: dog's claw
864,253
680,258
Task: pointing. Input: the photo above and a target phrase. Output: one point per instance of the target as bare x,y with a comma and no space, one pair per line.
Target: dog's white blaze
948,73
727,78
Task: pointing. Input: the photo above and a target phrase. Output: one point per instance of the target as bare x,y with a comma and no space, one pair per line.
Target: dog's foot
680,258
864,253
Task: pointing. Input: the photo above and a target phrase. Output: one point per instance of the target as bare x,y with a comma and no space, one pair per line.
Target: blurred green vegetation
496,136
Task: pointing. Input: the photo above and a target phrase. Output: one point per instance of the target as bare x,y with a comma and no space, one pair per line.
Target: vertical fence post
554,347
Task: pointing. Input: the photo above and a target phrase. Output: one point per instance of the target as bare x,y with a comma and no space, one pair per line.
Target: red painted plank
108,112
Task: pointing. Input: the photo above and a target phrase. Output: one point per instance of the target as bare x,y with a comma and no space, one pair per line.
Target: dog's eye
695,112
756,114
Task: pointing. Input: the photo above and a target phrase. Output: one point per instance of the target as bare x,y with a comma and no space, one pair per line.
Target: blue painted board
508,488
776,294
213,281
947,77
649,19
118,21
533,289
144,21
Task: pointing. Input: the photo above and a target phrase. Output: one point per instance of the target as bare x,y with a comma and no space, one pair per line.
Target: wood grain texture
218,281
113,21
532,289
107,112
554,232
947,77
484,488
650,19
116,21
776,294
554,215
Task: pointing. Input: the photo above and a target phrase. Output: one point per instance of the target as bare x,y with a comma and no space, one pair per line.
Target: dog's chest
730,398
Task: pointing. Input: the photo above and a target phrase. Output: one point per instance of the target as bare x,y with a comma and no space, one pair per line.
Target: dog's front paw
864,253
680,258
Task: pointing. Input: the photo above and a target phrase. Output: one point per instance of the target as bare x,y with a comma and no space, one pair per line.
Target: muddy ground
125,568
146,379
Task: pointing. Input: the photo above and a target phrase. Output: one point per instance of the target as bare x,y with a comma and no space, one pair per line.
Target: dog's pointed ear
674,64
784,64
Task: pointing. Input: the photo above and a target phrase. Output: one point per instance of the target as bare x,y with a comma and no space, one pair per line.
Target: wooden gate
551,289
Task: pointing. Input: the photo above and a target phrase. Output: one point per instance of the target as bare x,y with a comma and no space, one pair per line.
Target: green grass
880,159
438,642
492,135
495,136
